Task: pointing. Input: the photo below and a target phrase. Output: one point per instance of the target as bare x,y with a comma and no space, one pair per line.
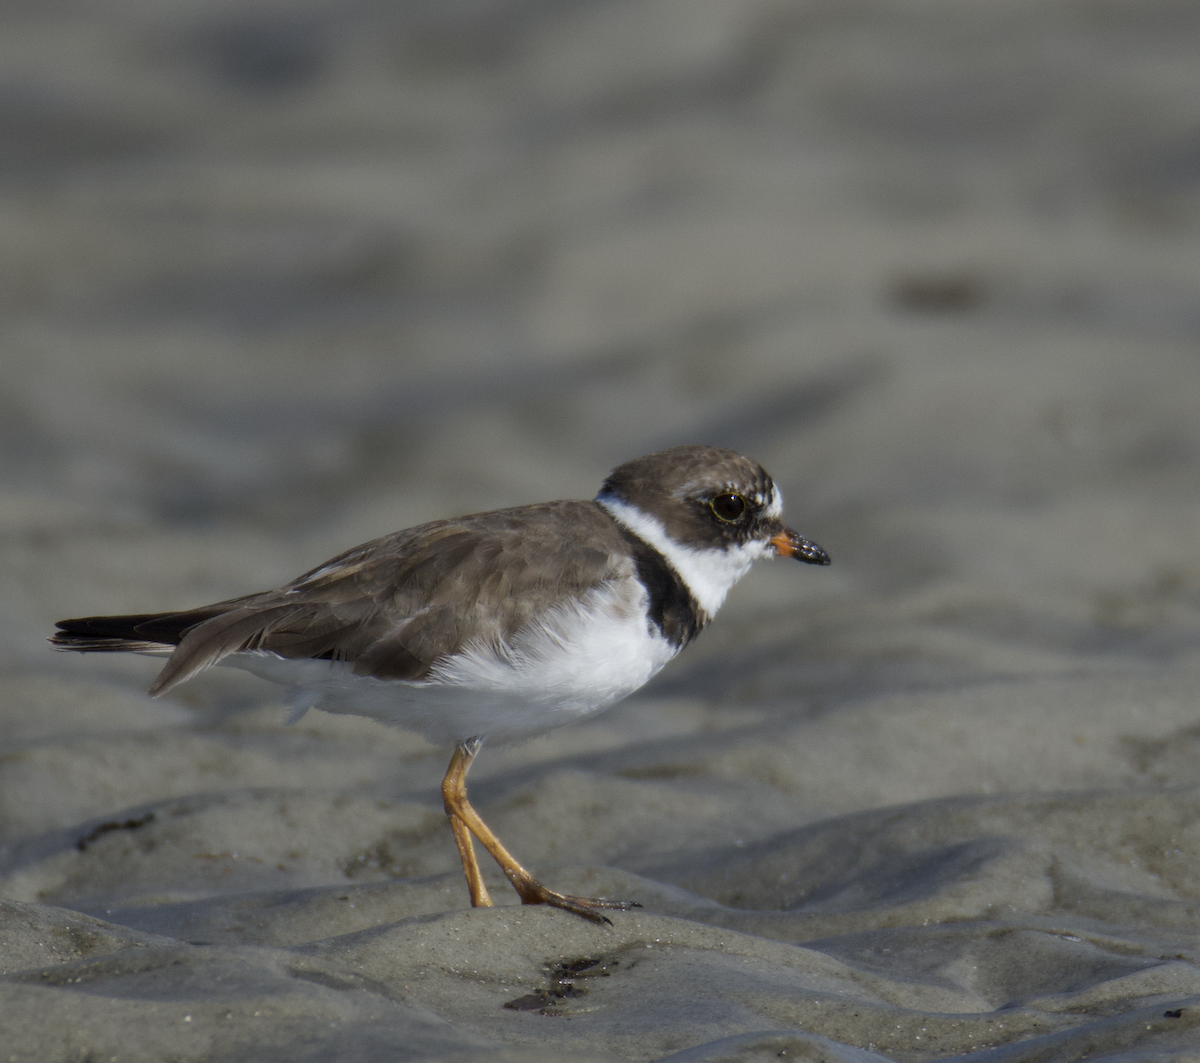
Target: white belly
577,659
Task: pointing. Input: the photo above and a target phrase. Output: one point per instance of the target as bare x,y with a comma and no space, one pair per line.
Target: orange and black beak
788,544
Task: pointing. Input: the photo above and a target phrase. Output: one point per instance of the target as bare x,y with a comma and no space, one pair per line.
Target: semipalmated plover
494,626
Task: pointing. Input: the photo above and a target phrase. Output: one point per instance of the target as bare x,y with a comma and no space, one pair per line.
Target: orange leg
465,821
454,794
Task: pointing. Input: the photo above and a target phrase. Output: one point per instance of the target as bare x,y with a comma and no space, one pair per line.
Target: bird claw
536,893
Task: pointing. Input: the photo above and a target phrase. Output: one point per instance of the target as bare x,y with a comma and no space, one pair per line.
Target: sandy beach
276,279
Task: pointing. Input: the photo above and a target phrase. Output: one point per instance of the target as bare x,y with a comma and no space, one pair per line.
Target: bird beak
788,544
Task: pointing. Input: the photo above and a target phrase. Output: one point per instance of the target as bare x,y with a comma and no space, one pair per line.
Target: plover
495,626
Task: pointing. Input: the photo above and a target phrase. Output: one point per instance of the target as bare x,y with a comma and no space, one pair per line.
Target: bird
495,626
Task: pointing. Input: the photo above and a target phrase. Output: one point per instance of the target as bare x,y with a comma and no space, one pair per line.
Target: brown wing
393,606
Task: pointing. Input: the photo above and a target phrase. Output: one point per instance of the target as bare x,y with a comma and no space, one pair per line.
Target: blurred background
276,278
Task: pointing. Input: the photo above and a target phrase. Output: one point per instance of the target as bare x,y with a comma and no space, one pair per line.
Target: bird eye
728,507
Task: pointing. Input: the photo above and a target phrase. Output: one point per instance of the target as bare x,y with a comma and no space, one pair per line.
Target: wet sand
274,281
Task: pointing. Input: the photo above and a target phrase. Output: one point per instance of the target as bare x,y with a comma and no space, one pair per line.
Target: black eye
728,507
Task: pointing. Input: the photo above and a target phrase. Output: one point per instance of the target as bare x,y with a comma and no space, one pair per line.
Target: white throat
707,574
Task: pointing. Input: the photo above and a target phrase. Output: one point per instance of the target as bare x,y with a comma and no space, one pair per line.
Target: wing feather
393,606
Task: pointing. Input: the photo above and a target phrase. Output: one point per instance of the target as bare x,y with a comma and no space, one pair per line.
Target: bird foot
533,892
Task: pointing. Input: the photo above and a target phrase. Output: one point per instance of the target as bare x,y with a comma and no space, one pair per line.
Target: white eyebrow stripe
774,505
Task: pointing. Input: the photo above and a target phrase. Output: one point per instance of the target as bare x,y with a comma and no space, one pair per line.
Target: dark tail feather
156,632
125,634
200,638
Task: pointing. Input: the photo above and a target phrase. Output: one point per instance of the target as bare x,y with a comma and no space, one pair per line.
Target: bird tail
216,631
140,633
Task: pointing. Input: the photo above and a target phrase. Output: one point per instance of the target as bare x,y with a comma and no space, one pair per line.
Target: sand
276,279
